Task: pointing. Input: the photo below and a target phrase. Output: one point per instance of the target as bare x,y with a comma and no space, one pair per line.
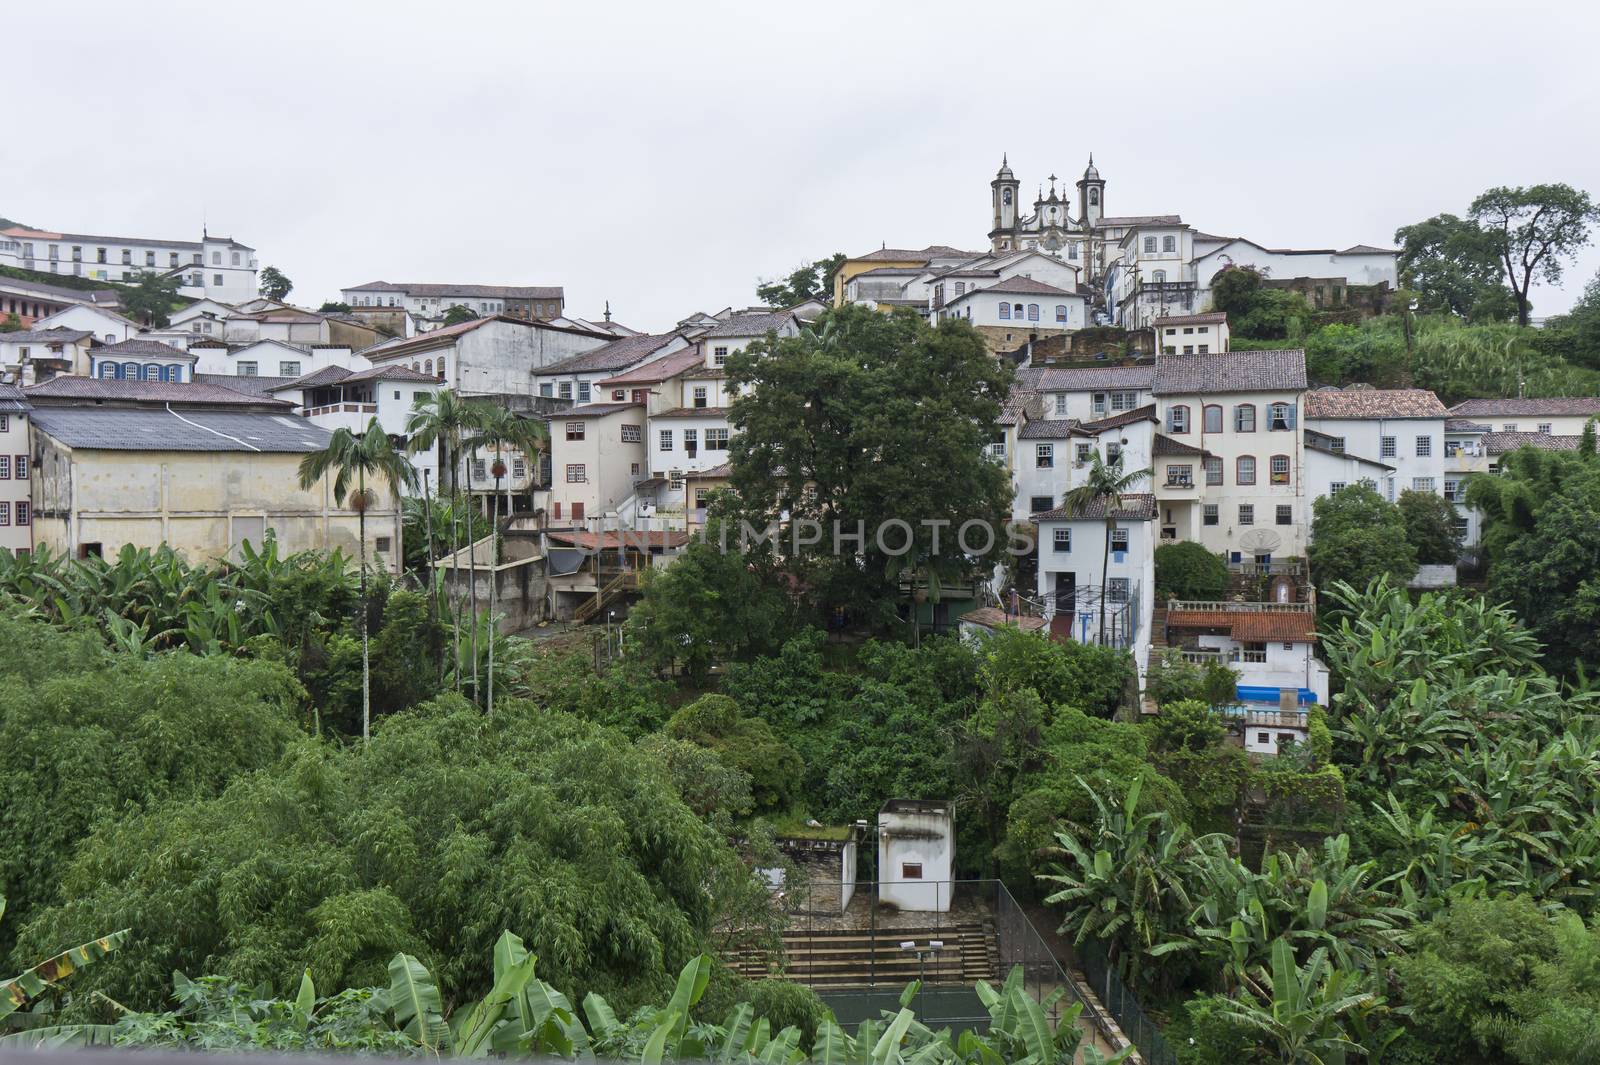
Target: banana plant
28,987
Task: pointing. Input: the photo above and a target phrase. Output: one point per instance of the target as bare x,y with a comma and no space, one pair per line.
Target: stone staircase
849,957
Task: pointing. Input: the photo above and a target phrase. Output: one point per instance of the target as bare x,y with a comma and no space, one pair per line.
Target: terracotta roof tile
1136,506
1231,371
1373,403
1250,625
1569,406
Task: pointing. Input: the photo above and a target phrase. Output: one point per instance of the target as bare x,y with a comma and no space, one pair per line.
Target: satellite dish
1261,541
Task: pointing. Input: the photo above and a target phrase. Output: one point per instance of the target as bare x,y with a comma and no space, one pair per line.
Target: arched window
1061,312
1280,417
416,367
150,372
1005,311
1178,419
1169,243
441,367
130,370
961,288
1213,415
1016,310
1244,418
1072,250
1280,469
1033,312
428,368
1159,277
111,338
1094,196
1245,470
106,370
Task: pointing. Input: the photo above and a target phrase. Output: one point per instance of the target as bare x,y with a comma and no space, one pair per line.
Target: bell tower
1091,195
1003,195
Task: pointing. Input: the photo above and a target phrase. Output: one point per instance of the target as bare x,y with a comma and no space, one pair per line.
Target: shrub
1187,570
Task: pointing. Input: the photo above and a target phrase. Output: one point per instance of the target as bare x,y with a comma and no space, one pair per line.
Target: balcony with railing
1287,568
1236,606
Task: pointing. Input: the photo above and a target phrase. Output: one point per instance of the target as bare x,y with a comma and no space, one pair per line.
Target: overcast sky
666,155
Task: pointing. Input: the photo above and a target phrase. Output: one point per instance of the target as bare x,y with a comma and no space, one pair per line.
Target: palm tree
440,420
499,428
1102,490
351,457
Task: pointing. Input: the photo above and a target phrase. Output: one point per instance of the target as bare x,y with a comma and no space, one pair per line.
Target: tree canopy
1357,535
151,297
1535,231
876,424
807,281
1454,267
273,284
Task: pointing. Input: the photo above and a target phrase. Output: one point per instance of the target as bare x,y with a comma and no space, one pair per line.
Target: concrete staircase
824,958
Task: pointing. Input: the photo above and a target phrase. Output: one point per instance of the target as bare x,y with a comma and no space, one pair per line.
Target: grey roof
1465,425
508,292
1092,377
328,375
155,429
205,393
751,325
618,354
1568,406
932,251
12,400
57,335
1500,443
262,387
1166,445
1231,371
1019,403
1139,220
1208,318
143,347
1021,286
1049,429
1146,413
1137,506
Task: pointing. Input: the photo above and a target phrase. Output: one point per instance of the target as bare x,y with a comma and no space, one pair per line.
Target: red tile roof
661,369
1250,625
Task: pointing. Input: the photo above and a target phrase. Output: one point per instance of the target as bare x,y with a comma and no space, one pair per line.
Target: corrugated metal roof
144,429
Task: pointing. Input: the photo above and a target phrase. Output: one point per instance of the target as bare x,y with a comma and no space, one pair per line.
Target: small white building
16,468
1402,428
597,456
1324,274
107,325
1192,334
1076,548
916,854
489,356
1555,416
33,355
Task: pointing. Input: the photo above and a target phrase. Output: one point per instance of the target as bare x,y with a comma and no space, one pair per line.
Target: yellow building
202,476
895,259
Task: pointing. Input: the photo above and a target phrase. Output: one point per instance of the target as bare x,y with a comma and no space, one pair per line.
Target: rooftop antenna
608,310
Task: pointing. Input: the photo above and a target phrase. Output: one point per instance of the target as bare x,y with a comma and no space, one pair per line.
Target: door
577,511
1066,592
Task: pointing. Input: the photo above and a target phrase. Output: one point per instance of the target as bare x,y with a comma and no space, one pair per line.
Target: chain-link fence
1121,1004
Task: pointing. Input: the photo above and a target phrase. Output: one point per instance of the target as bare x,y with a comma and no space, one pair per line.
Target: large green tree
876,425
1454,267
707,607
274,284
1535,232
1430,527
447,828
151,298
1356,536
1543,545
807,281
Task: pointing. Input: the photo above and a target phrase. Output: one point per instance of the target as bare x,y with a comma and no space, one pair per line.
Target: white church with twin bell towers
1074,229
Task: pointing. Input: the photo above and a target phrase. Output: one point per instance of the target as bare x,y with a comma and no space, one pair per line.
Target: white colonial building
1079,546
1237,486
1398,428
218,268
